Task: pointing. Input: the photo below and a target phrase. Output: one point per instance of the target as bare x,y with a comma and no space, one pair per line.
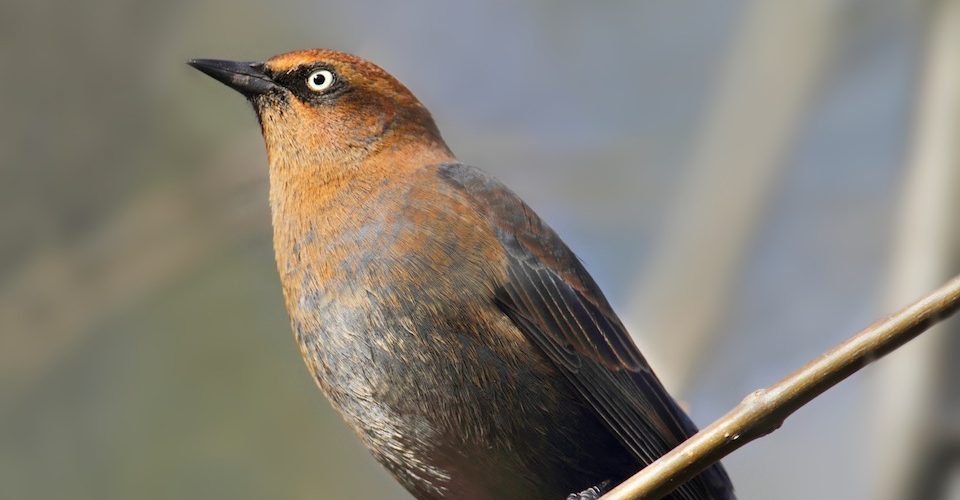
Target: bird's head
326,106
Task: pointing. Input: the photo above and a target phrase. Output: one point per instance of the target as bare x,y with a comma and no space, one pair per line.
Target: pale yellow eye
320,80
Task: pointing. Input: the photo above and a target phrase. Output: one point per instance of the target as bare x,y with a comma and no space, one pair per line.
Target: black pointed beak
248,78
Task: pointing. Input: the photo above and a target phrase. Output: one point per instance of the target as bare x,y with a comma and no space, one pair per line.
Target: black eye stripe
297,81
299,74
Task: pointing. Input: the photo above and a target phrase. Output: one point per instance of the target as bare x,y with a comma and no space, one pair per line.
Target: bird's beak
247,78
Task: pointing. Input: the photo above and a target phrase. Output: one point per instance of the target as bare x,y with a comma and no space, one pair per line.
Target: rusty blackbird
447,323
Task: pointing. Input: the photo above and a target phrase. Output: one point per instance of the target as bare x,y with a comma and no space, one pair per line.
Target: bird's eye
320,80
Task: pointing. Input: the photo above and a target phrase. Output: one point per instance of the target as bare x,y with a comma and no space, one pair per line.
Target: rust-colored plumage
453,330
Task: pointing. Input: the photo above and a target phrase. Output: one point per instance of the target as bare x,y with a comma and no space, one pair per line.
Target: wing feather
557,305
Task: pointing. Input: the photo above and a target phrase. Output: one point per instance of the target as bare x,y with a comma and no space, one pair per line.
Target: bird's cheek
364,120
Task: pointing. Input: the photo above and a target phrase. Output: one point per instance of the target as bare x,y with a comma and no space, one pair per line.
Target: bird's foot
592,493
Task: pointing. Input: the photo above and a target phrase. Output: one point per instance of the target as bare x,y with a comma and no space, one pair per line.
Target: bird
447,323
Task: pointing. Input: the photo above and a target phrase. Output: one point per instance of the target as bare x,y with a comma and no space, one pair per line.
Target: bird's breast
392,307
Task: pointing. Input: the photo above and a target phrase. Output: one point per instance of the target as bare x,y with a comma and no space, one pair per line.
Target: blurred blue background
750,182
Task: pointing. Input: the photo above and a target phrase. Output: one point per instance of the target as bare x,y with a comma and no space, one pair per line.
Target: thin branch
763,411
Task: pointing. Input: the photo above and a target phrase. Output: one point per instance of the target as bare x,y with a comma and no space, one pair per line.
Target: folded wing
557,305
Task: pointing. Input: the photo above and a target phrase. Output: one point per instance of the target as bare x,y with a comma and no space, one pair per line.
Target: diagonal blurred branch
764,411
733,169
907,399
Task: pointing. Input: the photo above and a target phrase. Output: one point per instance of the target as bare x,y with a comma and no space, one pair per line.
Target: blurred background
749,181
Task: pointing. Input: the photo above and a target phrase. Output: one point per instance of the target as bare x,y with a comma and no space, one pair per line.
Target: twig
763,411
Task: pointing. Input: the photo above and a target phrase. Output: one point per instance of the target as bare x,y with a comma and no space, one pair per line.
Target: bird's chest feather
392,284
394,316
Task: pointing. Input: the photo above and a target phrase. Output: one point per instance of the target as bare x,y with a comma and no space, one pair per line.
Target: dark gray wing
554,302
